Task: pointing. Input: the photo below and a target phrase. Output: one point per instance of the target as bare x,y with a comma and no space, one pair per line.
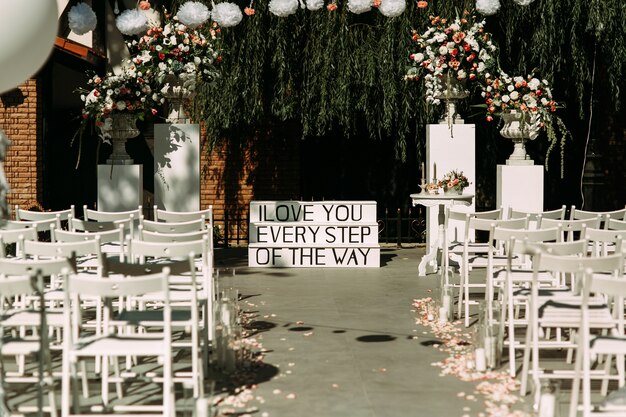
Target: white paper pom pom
227,14
314,5
487,7
359,6
392,8
193,13
132,22
283,8
523,2
82,19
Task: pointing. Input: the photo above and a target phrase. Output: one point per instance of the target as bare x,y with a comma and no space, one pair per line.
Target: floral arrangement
454,180
127,92
460,49
177,49
528,95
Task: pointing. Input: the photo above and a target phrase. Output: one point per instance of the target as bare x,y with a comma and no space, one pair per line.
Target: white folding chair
577,214
173,227
613,224
81,344
36,216
534,218
613,287
571,229
111,241
161,215
563,310
24,327
16,236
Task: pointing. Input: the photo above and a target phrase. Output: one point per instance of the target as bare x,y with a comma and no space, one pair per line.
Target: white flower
481,67
455,26
544,101
450,45
518,79
510,87
158,48
173,40
483,94
443,50
484,56
544,82
197,60
489,88
461,74
514,95
120,105
505,98
162,66
533,84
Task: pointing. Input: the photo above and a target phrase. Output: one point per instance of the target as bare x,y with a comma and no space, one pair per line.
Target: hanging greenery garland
328,68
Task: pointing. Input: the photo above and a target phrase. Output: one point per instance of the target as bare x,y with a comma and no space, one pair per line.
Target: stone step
289,256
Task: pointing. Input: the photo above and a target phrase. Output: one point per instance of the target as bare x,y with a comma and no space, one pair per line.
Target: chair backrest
108,236
92,226
577,214
16,236
172,237
62,249
180,216
28,267
535,216
576,264
40,226
111,216
15,285
138,250
474,223
604,241
571,227
499,233
60,215
173,227
613,224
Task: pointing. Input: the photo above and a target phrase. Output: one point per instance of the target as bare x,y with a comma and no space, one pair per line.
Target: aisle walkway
343,342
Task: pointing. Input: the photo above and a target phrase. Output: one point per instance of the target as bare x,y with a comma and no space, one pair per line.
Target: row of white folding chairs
145,249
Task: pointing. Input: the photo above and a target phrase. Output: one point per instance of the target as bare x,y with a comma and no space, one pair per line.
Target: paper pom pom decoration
487,7
132,22
359,6
227,14
193,13
81,19
392,8
314,5
283,8
523,2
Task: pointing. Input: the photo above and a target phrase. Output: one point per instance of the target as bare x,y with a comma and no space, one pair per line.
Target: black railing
399,226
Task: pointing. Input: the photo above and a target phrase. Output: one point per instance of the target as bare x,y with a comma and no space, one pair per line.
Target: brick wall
262,167
21,120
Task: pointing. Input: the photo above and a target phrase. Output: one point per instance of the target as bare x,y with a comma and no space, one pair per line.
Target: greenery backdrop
338,72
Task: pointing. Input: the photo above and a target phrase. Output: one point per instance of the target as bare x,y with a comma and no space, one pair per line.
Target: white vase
453,91
123,127
519,126
178,90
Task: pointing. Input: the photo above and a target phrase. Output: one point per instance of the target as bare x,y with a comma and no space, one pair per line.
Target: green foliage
339,71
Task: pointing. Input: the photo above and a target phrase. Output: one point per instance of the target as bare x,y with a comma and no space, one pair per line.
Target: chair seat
151,318
568,314
31,318
608,344
140,344
14,347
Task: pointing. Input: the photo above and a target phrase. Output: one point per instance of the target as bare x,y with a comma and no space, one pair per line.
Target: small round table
441,200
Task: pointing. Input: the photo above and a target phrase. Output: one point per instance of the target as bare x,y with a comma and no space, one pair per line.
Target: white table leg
429,260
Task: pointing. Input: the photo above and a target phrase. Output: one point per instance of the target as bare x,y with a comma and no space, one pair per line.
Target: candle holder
548,405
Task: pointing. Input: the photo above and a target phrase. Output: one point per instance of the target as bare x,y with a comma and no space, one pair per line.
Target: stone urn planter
123,127
453,91
520,127
178,91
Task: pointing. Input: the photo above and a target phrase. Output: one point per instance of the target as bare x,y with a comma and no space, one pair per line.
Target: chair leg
607,373
85,382
573,406
526,362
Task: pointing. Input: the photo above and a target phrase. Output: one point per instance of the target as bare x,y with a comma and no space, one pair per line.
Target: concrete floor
342,340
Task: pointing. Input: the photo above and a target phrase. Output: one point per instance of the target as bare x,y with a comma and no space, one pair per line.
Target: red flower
489,119
492,109
376,3
161,56
422,4
331,7
466,47
538,93
249,11
472,76
154,112
454,52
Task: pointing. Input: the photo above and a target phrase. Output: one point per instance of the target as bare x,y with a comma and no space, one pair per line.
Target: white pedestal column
520,187
450,149
120,187
177,166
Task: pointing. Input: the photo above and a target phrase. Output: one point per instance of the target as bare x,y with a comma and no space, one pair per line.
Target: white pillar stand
177,166
520,187
450,147
120,187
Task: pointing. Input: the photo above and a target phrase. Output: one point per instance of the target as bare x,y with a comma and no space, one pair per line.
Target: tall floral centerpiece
450,54
176,56
114,102
526,107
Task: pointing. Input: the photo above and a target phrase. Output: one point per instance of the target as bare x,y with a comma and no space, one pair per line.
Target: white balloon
28,29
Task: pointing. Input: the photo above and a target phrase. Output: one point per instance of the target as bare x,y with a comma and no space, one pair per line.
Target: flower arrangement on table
124,93
531,97
460,50
454,181
175,49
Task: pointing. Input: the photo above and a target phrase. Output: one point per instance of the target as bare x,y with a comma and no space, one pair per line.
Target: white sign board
313,234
